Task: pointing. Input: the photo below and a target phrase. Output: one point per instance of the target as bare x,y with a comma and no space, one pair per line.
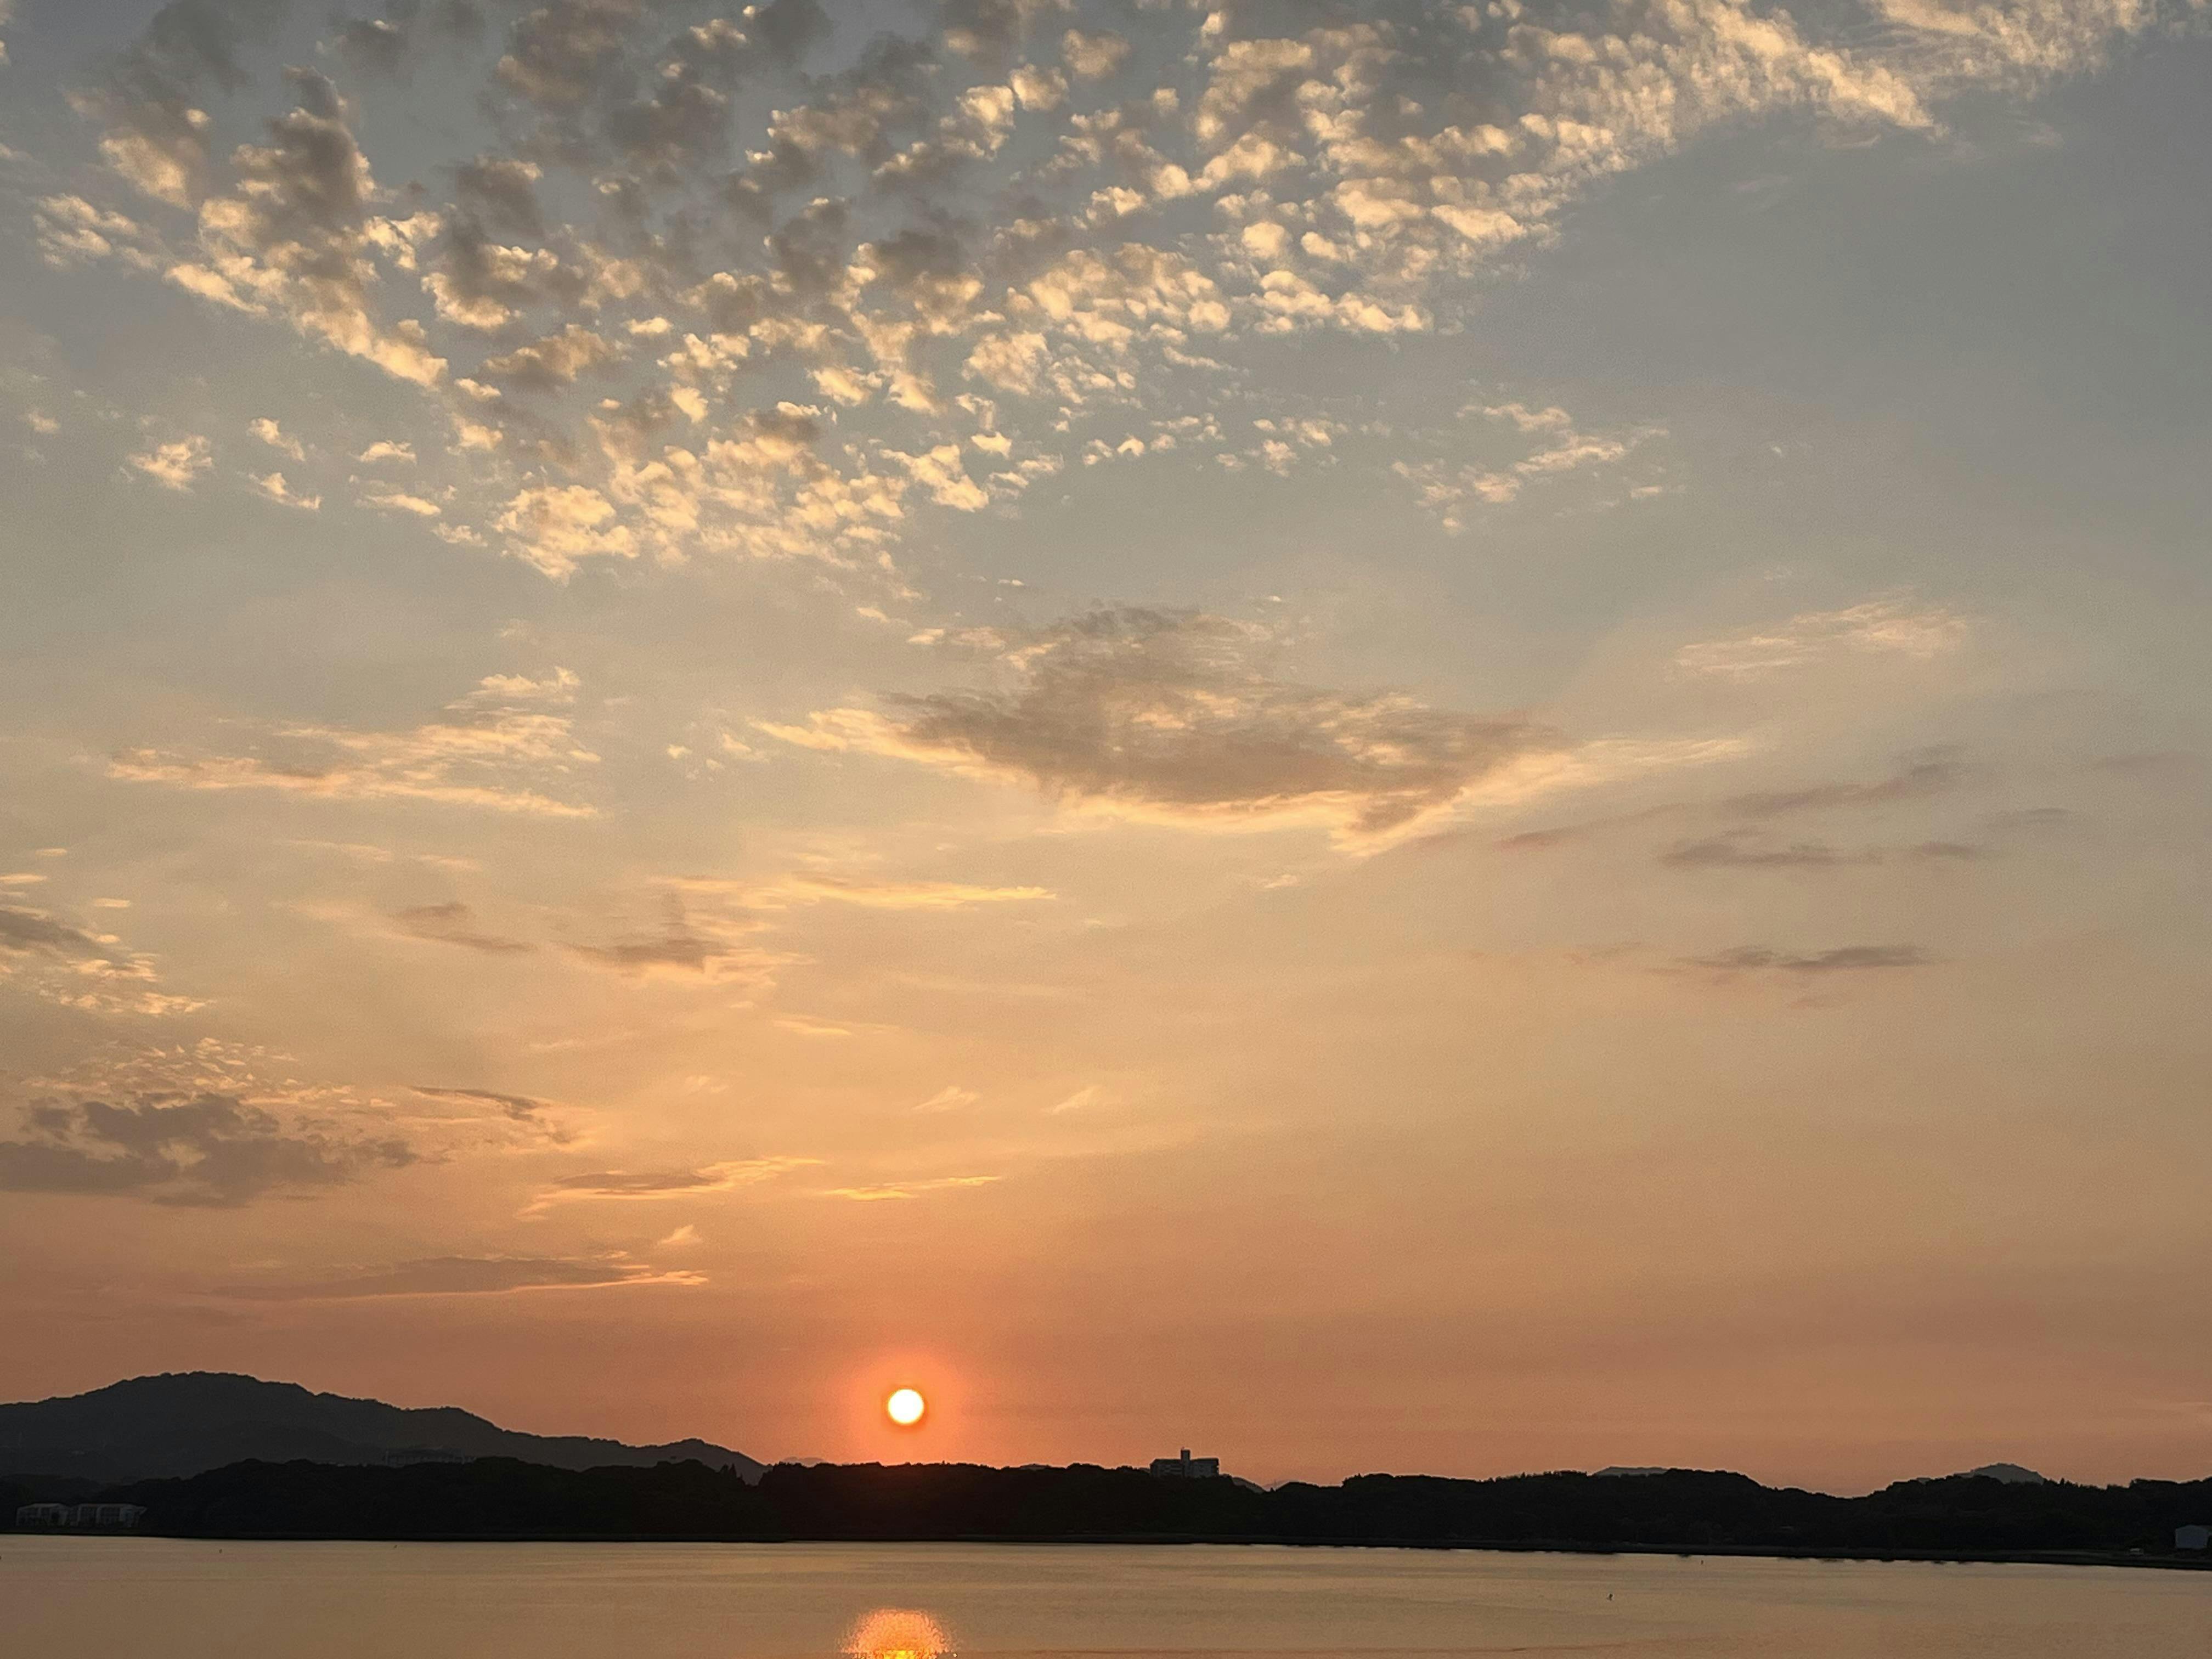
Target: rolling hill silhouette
184,1422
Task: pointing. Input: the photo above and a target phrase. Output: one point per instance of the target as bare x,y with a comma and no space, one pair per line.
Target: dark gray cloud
687,117
1732,852
787,28
377,45
669,1183
919,258
683,118
156,131
2156,763
634,430
205,1149
25,932
527,1110
1920,774
1843,959
502,192
1564,835
454,923
1172,713
465,1275
523,1108
457,20
296,236
2035,819
889,94
197,41
990,31
641,1183
681,951
69,964
482,283
553,362
382,44
559,55
1926,772
1961,851
811,249
586,68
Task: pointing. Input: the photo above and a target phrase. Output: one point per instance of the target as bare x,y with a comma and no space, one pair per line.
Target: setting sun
905,1406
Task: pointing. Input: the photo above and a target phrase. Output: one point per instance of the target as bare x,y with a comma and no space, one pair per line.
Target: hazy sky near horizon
1397,736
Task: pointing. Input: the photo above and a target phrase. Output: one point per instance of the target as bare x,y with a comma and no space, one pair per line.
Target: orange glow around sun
898,1634
905,1406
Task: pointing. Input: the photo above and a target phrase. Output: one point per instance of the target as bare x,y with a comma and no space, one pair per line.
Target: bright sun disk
905,1406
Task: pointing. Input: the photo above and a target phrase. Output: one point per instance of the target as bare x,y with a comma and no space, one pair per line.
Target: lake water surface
205,1601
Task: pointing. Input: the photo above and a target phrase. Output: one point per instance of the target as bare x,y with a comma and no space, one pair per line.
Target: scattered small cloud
271,486
1848,959
178,465
470,1275
276,437
893,1191
493,745
681,1182
807,1025
1555,448
1894,626
398,501
808,887
950,1099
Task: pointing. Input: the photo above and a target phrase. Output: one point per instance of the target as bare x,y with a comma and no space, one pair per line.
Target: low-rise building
2192,1538
1186,1467
41,1517
109,1515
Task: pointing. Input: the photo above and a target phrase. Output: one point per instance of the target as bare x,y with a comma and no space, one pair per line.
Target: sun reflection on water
898,1633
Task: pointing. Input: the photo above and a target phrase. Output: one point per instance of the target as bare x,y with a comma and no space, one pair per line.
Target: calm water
192,1601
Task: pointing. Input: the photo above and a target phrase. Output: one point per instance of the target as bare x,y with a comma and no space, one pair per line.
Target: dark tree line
1681,1510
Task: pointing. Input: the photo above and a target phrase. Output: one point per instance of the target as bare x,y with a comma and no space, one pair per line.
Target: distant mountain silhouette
184,1422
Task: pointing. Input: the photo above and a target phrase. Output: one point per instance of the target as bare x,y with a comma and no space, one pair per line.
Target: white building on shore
53,1517
1186,1467
109,1515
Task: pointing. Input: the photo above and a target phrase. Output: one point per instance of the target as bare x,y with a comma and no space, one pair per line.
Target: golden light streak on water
898,1633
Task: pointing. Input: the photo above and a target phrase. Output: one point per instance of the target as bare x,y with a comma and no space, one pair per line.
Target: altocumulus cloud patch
206,1150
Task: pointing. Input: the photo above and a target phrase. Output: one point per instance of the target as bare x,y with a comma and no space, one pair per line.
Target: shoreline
1759,1552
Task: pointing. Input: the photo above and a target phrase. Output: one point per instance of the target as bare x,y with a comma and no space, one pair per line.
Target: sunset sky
1388,736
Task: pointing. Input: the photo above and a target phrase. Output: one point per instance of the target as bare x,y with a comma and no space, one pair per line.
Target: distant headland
200,1454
